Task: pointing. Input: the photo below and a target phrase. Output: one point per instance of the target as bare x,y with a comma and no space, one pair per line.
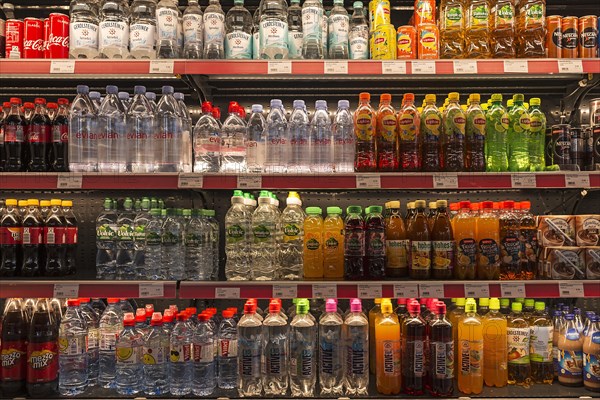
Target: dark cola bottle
10,239
38,135
70,236
60,137
33,226
27,110
54,240
13,350
3,114
15,126
42,353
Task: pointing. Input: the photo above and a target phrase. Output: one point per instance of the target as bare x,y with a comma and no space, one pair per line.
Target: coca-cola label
32,235
33,45
113,34
54,235
141,37
14,133
84,35
56,40
60,133
13,360
71,235
167,20
42,362
38,133
10,235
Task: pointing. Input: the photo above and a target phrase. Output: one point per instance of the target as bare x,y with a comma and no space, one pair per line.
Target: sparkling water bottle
233,148
331,357
193,31
359,33
291,247
112,133
321,140
299,126
129,348
215,233
312,29
92,320
125,250
109,328
106,235
228,351
273,29
295,35
83,135
153,268
186,128
181,357
238,28
214,31
172,252
356,342
343,138
338,31
203,357
264,246
83,29
193,239
250,341
275,339
207,141
277,143
303,351
167,20
73,359
168,134
256,34
140,135
156,358
237,239
142,30
255,145
114,29
140,223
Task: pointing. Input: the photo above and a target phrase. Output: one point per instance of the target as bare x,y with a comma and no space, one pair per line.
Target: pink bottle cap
355,305
330,305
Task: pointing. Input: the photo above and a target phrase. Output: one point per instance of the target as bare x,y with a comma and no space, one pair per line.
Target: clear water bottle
227,351
214,31
275,351
295,35
207,141
250,342
238,28
277,142
167,20
140,137
237,239
83,29
168,134
325,32
99,306
112,131
303,351
299,126
151,96
264,237
142,29
96,99
92,320
256,34
114,29
129,348
321,140
193,240
125,249
156,358
291,247
127,305
73,357
186,144
193,31
108,329
233,144
140,223
203,357
173,252
153,268
356,342
255,145
106,236
124,98
83,121
343,138
312,28
338,31
215,233
331,351
273,30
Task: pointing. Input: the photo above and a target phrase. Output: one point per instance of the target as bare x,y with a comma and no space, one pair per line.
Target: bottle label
238,45
60,133
420,255
466,252
359,42
455,124
529,245
273,35
443,254
214,27
476,124
388,128
42,362
14,133
54,235
291,232
261,234
192,239
106,232
256,45
480,16
537,123
38,133
193,28
407,124
454,17
128,355
396,253
169,238
204,352
331,242
71,235
518,345
302,365
125,233
83,35
540,348
591,368
471,353
442,356
93,336
432,124
505,15
167,20
570,363
153,239
33,235
72,345
489,252
250,358
355,244
295,43
153,355
13,358
235,234
391,357
376,243
418,357
364,126
312,21
114,34
108,339
275,357
142,37
11,235
357,358
534,14
180,353
228,348
338,30
524,123
327,356
311,241
510,248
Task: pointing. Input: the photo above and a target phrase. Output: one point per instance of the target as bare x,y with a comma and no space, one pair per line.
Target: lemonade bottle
333,243
453,135
431,126
373,313
387,350
531,29
477,29
365,120
442,243
488,241
496,128
420,244
495,352
502,38
452,26
409,128
518,346
313,243
541,336
387,135
470,350
475,136
518,135
396,243
537,135
466,244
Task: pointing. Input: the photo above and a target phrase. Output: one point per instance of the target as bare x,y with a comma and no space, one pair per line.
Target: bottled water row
144,240
145,29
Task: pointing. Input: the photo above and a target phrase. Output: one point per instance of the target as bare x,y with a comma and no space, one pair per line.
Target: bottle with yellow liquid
495,369
452,26
502,38
466,246
454,316
396,244
531,28
470,350
333,244
313,243
373,313
519,368
387,350
488,241
477,32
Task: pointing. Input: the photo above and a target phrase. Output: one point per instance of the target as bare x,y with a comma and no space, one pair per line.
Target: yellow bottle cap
22,203
67,203
392,204
475,97
55,202
494,303
45,203
535,101
430,98
454,96
432,205
33,202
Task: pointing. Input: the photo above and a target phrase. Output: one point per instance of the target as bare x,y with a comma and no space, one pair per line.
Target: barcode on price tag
477,290
153,289
516,66
162,66
571,289
577,180
336,67
324,291
393,67
190,181
279,67
406,290
512,290
446,181
570,66
369,291
62,66
249,182
423,67
66,290
465,66
69,181
431,290
523,181
368,181
285,291
227,293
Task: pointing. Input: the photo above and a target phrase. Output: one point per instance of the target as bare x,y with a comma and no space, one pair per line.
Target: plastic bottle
529,243
273,30
295,37
431,129
42,352
125,249
13,347
303,351
475,138
387,135
590,355
355,340
518,135
142,29
83,17
277,141
441,353
365,122
339,22
140,135
331,360
519,368
167,20
477,30
112,151
396,243
60,137
153,247
343,138
531,32
15,137
155,358
321,140
203,357
452,26
92,320
325,31
410,142
38,137
420,263
237,239
228,351
443,245
358,37
55,228
333,244
275,351
570,353
173,251
510,244
256,34
129,367
186,132
207,141
113,38
299,133
453,136
180,345
31,239
496,130
291,247
238,28
249,352
313,243
168,133
73,357
264,237
540,353
470,350
537,134
495,350
502,34
413,351
466,243
194,237
312,21
109,327
387,349
488,242
193,31
255,145
83,153
354,244
234,133
375,240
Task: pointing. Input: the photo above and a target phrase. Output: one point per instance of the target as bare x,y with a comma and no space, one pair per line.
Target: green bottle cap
460,302
238,193
529,303
505,302
314,210
302,306
470,306
334,211
516,307
540,306
375,210
354,210
187,212
520,300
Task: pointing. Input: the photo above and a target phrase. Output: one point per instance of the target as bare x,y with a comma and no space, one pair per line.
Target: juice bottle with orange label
313,243
365,120
477,32
466,245
333,244
387,349
470,350
409,127
442,243
387,135
431,126
396,243
488,243
452,26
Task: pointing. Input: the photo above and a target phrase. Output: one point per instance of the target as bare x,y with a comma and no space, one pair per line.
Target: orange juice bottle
488,241
495,368
470,350
387,350
454,316
373,313
313,243
333,244
466,246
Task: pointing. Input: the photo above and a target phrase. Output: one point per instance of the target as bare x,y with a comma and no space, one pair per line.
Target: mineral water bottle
153,268
358,37
140,136
227,351
92,320
238,28
203,357
83,29
237,239
343,138
277,143
255,145
108,329
356,344
193,31
250,355
83,150
96,99
167,20
173,252
214,31
151,96
233,149
169,135
338,31
299,126
537,129
129,371
156,358
207,141
114,30
140,223
124,99
518,135
181,357
331,351
186,127
142,30
125,250
193,239
256,34
112,133
275,351
312,29
273,29
325,31
215,232
73,360
303,351
321,140
291,247
496,128
106,236
295,35
264,231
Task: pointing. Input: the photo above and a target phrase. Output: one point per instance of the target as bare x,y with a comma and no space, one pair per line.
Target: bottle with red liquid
413,351
375,243
354,244
60,137
38,137
15,127
42,353
365,120
13,350
10,239
33,227
441,353
387,135
54,240
409,135
71,235
3,114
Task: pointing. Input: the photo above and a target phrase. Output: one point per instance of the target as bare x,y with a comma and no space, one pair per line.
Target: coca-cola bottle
27,110
39,137
54,240
13,348
32,239
5,108
15,127
60,137
10,239
42,353
70,236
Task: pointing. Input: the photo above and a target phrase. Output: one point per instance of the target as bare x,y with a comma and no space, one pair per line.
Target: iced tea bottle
397,245
420,244
496,130
373,313
441,353
540,345
537,137
333,244
387,348
519,368
452,26
354,244
510,244
365,120
466,244
442,242
477,31
313,243
495,368
375,243
413,356
531,32
488,239
475,136
470,350
502,37
431,127
387,135
409,135
453,135
529,242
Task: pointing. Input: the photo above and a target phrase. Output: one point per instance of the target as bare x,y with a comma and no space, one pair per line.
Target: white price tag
69,181
369,291
62,66
406,290
577,180
446,181
393,67
190,181
368,182
279,67
465,66
423,67
227,293
477,290
431,290
336,67
152,289
570,66
66,290
512,290
249,182
516,66
571,289
161,66
283,291
519,181
324,291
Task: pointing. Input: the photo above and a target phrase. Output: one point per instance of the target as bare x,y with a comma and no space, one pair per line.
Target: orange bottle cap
364,96
385,97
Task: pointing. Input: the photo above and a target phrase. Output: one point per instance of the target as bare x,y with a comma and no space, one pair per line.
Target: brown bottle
396,244
442,243
420,244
